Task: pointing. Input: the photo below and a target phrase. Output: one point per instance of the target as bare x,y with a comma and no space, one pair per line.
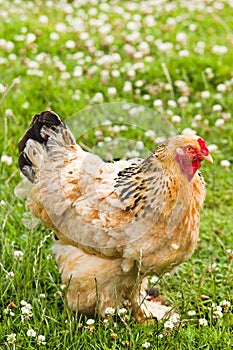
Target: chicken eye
189,149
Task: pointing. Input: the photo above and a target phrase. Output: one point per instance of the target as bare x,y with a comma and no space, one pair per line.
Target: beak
208,158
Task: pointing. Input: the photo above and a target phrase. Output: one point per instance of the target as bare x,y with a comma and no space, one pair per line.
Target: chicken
115,223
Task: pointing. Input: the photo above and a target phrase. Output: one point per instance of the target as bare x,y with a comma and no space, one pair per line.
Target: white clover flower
219,123
146,345
2,88
203,322
110,310
115,73
61,27
191,313
183,53
31,333
217,108
132,154
171,103
192,27
6,159
144,47
213,148
90,322
25,105
9,112
42,296
127,87
182,100
197,117
11,338
189,131
219,50
158,103
176,119
41,340
43,19
70,44
98,98
168,324
112,91
221,88
30,38
139,145
150,134
181,38
175,318
54,36
18,255
205,94
225,304
225,164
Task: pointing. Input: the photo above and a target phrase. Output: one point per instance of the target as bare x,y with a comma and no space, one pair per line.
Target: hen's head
189,151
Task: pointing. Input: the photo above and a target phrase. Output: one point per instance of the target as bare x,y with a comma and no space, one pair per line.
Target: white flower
182,100
98,98
9,112
219,50
192,27
2,88
158,103
154,279
225,164
197,117
6,159
70,44
221,88
78,71
10,274
171,103
175,318
31,333
150,134
110,311
11,338
18,255
176,119
217,108
90,322
54,36
112,91
188,131
127,87
191,312
43,19
205,94
219,122
122,311
146,345
169,324
203,322
41,339
213,148
25,105
61,27
181,37
30,38
183,53
139,145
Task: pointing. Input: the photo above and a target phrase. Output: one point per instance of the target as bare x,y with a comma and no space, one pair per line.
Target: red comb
202,144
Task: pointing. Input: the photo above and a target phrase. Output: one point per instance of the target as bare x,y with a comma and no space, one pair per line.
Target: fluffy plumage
116,223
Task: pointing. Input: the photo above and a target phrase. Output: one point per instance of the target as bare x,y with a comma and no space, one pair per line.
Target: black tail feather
47,118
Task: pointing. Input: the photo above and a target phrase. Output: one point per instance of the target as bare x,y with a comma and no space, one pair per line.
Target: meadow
123,74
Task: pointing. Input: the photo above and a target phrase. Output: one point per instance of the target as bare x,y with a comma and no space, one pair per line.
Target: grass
36,72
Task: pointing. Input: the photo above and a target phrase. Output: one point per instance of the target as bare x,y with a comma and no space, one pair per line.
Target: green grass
207,277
